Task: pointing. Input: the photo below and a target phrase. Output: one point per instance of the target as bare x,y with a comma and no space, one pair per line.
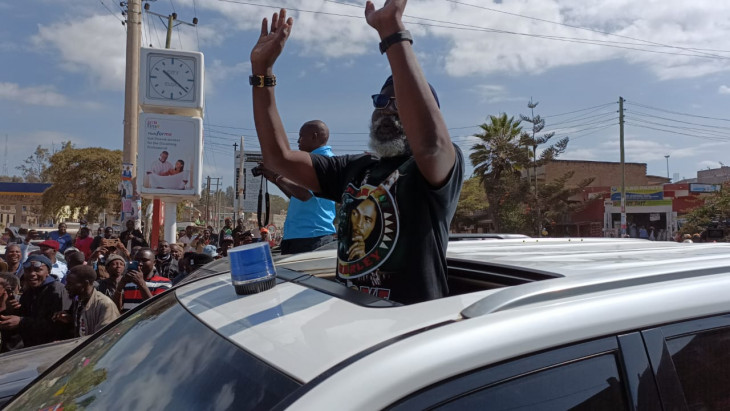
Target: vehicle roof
304,331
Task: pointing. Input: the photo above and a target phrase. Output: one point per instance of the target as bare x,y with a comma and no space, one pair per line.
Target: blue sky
62,76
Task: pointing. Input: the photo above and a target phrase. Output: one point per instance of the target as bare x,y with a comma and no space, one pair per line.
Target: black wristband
262,81
404,35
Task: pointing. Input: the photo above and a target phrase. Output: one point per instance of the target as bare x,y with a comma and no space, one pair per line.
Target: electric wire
676,121
461,26
648,42
677,132
555,130
157,34
573,120
676,112
147,25
111,11
197,37
712,132
580,110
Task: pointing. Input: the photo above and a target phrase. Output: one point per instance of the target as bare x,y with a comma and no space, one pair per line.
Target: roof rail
544,291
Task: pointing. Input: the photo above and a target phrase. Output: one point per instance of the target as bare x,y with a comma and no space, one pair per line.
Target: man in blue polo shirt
309,219
64,238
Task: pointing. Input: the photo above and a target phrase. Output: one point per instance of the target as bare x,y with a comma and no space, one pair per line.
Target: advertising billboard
170,156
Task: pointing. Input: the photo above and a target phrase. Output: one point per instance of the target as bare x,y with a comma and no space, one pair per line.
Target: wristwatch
262,81
404,35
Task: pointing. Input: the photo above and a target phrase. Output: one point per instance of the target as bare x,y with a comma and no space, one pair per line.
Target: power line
711,132
110,11
679,133
577,27
581,118
677,113
578,111
677,121
461,26
197,38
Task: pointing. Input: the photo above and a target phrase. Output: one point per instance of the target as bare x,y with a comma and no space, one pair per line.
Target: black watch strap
262,81
404,35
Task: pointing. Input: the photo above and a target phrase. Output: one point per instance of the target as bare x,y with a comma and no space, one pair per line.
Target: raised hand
271,42
388,19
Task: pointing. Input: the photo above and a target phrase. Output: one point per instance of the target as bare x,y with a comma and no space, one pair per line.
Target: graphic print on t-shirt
368,228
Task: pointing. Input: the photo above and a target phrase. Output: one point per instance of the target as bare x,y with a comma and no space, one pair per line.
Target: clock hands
173,80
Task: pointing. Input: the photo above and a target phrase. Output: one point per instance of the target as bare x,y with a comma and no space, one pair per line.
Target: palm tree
498,160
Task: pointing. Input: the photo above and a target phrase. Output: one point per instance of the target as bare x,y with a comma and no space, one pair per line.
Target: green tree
230,196
11,179
472,202
714,210
34,167
277,203
540,201
498,161
86,180
555,200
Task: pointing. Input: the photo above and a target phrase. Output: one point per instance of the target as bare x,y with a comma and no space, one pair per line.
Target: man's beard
387,137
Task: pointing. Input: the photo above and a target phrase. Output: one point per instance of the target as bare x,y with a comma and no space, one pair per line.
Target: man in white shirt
187,239
161,166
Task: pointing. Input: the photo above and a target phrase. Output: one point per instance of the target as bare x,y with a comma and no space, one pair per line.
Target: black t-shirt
393,226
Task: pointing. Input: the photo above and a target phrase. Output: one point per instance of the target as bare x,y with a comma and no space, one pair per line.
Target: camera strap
264,185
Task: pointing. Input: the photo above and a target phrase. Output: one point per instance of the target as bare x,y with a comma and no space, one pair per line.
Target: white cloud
482,41
97,45
708,164
492,93
723,89
40,95
584,154
217,73
94,45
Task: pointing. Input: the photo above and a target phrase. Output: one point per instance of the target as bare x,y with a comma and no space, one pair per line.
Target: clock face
171,78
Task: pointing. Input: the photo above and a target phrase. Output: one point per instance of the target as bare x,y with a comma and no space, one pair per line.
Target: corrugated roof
23,188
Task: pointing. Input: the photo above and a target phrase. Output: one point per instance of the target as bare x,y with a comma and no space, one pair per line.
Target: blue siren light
252,268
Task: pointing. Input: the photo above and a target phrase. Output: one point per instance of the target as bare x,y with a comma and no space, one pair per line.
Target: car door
611,373
691,361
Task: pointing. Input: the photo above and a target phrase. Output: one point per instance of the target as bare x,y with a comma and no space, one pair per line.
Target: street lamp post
667,157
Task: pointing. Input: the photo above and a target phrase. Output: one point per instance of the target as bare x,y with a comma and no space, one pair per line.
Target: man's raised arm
419,113
277,154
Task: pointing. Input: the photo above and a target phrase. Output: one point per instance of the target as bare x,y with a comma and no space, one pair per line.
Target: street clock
171,81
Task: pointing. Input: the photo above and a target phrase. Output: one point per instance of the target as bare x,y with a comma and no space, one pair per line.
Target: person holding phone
140,282
9,305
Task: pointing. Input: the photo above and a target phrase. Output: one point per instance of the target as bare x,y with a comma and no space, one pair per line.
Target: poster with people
170,159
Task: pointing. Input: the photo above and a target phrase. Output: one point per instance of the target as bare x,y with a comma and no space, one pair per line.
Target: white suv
586,324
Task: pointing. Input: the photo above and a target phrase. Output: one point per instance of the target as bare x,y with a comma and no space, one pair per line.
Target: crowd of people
46,298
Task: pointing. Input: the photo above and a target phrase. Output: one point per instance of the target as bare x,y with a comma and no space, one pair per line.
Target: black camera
257,171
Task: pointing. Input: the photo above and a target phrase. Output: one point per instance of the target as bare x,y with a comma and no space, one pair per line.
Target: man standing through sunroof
413,183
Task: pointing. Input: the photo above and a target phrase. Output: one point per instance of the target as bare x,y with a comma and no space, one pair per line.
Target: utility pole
207,204
131,87
623,165
217,204
534,171
667,157
239,186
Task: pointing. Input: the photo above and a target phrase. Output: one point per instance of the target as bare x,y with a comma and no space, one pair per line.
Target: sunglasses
34,264
381,101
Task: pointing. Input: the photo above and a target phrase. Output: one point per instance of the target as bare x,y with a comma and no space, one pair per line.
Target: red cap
264,230
50,243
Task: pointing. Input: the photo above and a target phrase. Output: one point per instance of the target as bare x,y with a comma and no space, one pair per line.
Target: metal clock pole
170,207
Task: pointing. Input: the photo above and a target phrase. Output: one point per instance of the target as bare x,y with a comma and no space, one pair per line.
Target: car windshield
160,357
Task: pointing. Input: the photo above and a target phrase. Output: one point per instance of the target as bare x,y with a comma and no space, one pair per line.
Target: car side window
702,362
584,376
588,384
